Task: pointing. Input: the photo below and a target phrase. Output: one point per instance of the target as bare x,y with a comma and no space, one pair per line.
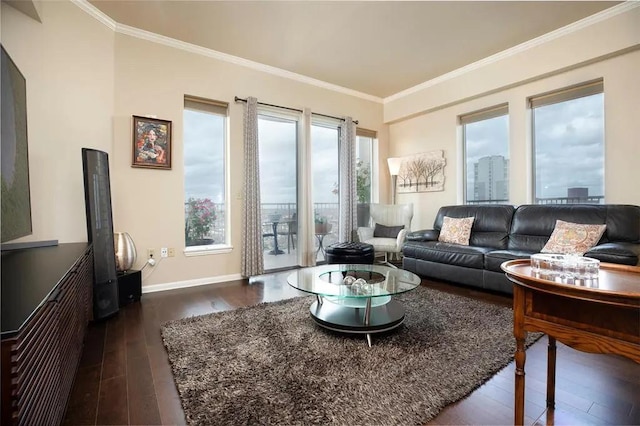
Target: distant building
491,178
577,195
578,192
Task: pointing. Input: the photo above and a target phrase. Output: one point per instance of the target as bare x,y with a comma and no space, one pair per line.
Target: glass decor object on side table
566,267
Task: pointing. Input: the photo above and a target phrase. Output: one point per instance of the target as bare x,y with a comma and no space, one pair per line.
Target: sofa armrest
423,235
365,233
402,235
620,252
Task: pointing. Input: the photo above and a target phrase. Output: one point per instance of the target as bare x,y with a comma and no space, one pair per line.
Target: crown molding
545,38
199,50
95,13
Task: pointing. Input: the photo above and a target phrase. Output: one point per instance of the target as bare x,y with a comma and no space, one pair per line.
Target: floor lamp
394,169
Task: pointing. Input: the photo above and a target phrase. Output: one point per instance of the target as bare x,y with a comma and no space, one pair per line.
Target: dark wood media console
46,306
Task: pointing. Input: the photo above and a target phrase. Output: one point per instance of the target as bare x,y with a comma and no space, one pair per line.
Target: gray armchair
386,239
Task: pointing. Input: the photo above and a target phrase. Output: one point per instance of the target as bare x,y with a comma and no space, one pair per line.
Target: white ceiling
374,47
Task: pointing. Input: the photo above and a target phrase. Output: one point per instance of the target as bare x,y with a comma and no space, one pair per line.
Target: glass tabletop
367,280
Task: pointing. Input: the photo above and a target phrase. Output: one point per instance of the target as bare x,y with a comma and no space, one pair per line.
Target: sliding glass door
324,166
277,140
364,174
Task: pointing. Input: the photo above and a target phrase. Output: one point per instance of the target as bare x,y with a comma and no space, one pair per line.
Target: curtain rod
237,99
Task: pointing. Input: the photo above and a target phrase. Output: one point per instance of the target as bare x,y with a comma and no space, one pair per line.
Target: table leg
551,373
275,250
520,354
320,238
367,318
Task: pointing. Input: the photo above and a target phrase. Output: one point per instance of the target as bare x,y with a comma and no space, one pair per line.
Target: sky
484,138
568,145
203,155
204,146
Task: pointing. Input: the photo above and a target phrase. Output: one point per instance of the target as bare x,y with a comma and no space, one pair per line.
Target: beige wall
85,82
427,120
67,61
153,79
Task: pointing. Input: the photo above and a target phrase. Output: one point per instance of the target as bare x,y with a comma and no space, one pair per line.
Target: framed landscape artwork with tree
421,173
151,143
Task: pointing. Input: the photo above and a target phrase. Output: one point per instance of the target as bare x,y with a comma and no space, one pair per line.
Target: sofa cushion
387,231
623,253
623,223
494,259
383,244
456,230
533,224
573,238
452,254
423,235
491,223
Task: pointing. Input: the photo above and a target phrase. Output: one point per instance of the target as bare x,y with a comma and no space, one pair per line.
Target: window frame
569,93
483,114
218,108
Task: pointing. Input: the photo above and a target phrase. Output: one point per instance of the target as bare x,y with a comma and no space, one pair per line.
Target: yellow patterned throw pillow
573,238
456,230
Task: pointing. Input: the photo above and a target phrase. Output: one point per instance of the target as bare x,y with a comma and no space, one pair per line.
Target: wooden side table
598,316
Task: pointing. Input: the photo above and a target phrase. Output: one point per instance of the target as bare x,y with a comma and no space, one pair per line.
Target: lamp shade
125,251
394,165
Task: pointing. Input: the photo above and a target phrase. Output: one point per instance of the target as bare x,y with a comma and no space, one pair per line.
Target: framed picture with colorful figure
151,143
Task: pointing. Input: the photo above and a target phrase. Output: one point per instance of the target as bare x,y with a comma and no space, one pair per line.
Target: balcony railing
330,211
487,202
593,199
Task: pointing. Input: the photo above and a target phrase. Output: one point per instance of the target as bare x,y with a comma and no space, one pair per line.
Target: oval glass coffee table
362,304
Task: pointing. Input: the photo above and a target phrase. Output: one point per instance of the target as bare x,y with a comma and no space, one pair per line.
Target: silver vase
125,251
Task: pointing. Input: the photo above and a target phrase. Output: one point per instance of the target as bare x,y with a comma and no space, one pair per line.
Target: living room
87,77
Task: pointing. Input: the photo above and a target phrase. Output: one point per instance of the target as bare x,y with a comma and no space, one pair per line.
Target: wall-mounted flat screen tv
16,199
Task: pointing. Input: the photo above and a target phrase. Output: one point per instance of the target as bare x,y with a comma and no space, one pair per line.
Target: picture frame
151,143
423,172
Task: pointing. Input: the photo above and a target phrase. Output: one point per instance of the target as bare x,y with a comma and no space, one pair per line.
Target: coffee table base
345,319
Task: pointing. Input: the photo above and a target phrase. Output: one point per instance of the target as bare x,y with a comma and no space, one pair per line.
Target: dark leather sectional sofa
504,232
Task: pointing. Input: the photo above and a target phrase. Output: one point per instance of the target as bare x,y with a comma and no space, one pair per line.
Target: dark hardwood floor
125,377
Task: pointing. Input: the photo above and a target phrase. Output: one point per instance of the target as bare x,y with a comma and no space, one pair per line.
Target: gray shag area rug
272,364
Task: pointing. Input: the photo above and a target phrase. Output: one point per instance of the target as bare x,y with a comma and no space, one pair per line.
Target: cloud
203,155
569,146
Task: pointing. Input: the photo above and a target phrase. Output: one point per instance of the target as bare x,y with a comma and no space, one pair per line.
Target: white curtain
306,253
347,171
252,260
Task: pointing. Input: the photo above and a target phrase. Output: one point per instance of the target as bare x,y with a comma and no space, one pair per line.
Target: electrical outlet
171,252
164,252
151,252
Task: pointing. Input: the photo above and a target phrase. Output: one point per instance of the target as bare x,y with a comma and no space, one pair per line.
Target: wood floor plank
590,388
113,404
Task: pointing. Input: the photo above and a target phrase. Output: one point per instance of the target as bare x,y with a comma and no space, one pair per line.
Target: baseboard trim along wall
190,283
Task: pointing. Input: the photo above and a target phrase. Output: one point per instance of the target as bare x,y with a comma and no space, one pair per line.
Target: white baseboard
190,283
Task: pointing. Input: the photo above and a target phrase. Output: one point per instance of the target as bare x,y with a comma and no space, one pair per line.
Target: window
568,143
364,173
205,183
486,155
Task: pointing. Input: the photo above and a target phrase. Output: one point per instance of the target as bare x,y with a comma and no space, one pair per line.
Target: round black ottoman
350,253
